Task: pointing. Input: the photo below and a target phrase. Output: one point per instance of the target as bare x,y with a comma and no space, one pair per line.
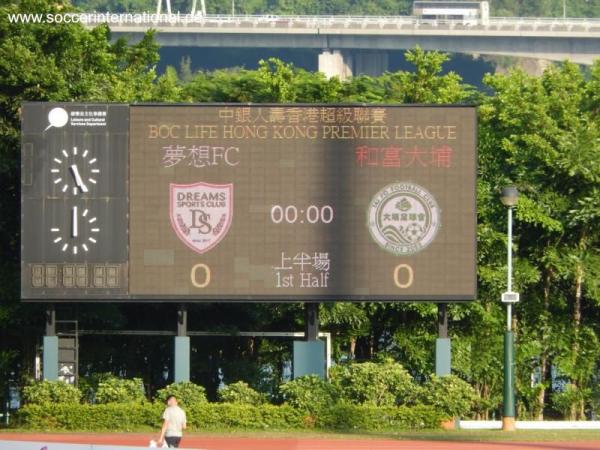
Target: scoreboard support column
50,357
443,354
311,321
182,347
309,355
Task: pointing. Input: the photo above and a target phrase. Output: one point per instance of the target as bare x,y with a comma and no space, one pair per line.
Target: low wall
531,425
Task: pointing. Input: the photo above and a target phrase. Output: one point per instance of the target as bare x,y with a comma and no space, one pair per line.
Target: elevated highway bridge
360,44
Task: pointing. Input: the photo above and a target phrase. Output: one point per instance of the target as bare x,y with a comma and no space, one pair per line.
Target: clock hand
74,222
77,177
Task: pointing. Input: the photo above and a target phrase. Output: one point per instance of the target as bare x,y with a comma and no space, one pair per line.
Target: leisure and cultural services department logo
201,213
403,218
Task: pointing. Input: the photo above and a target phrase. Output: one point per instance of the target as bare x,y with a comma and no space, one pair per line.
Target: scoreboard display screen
235,202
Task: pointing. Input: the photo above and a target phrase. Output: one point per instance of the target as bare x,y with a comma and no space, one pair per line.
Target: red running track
273,443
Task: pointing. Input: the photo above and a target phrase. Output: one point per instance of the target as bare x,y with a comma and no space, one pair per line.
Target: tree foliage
506,8
539,133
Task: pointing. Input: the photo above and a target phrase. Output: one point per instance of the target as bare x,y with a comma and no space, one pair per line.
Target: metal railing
177,20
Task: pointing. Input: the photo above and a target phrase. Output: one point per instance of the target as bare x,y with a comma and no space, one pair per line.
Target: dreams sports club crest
201,213
403,218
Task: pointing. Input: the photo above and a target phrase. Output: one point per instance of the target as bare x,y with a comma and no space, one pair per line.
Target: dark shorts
173,441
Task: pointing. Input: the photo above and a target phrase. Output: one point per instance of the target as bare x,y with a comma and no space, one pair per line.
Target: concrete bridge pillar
335,63
345,64
530,66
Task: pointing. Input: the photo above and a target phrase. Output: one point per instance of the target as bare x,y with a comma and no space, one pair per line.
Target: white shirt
175,416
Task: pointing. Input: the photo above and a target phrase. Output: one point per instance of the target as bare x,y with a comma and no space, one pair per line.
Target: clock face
74,171
79,234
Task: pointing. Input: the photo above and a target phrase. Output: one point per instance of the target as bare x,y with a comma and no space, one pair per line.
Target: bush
241,393
378,384
105,417
186,393
348,416
569,401
594,399
51,392
219,416
89,385
120,390
309,393
528,405
450,395
136,416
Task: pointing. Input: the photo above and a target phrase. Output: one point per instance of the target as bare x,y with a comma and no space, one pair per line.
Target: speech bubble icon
57,117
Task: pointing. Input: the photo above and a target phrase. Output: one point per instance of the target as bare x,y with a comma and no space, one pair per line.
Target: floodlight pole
508,417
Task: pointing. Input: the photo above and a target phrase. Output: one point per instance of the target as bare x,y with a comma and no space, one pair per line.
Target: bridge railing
146,20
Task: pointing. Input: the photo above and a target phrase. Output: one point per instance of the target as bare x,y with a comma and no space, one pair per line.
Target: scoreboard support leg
50,356
443,354
309,355
311,321
182,347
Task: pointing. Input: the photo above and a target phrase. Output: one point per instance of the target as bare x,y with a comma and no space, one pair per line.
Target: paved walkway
289,443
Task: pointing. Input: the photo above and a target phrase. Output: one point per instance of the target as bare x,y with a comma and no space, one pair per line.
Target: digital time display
229,202
309,214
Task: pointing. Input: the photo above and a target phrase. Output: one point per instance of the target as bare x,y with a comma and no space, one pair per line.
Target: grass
497,435
424,435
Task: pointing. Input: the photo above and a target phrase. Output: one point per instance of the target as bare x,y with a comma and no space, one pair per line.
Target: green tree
543,136
58,62
503,8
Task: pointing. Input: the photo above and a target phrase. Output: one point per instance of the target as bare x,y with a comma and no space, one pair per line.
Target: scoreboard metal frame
221,202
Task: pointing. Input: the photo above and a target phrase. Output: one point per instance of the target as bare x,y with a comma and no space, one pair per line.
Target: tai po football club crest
201,213
403,218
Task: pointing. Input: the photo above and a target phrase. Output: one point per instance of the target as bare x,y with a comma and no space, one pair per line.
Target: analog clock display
80,235
74,171
74,196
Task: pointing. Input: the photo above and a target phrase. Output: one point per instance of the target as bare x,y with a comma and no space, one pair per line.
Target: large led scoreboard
235,202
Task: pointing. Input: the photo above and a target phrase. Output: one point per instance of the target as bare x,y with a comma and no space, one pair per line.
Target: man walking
173,425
